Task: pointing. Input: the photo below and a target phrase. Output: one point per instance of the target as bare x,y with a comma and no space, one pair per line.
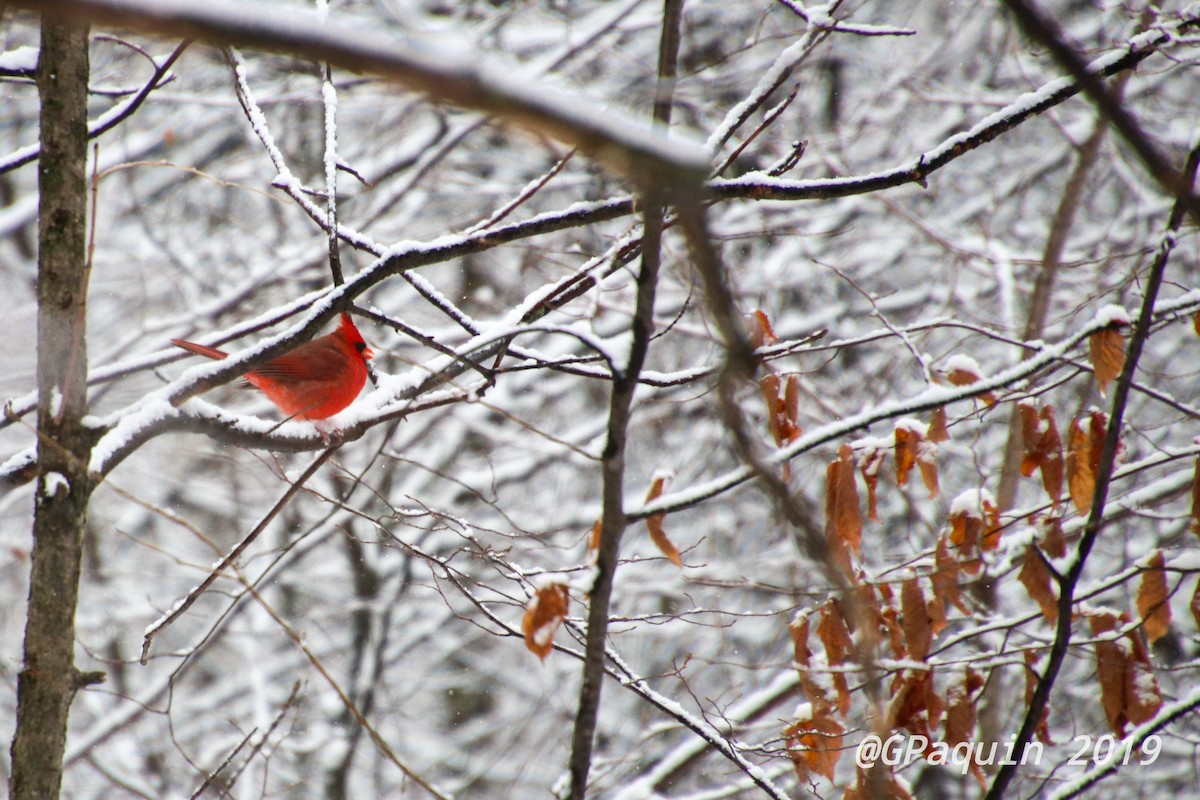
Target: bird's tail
199,349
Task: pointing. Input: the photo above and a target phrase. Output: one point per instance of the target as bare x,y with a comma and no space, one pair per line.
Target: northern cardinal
316,380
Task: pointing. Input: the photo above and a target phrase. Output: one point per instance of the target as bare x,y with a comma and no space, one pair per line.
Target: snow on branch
455,75
764,187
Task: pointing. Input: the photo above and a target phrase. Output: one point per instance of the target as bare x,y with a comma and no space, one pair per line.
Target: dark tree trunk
49,678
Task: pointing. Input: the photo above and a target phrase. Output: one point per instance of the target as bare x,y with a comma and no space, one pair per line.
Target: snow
19,59
56,401
1185,561
53,482
154,409
971,502
1110,315
963,363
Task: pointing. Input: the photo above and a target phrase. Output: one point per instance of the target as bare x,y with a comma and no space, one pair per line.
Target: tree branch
1091,531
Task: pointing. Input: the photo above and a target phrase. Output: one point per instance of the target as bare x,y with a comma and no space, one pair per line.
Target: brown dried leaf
832,632
1143,698
1194,606
843,517
907,441
918,625
760,329
945,574
937,430
960,714
544,613
868,616
654,524
1036,579
1196,498
891,619
937,613
1054,544
1113,666
1080,479
869,468
1152,599
915,705
1050,447
927,463
799,633
1031,436
769,385
791,408
992,529
965,530
594,539
965,377
1196,322
1097,431
815,744
1106,347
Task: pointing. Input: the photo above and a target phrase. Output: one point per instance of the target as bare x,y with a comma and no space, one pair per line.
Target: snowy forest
765,399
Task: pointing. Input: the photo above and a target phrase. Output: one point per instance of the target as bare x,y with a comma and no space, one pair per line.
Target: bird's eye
360,346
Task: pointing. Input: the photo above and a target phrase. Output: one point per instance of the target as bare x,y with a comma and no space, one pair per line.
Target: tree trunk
49,679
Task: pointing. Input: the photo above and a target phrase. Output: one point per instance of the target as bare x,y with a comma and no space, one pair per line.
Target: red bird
316,380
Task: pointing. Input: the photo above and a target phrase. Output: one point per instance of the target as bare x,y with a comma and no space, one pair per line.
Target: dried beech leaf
654,524
1031,437
1097,431
945,574
1152,599
965,531
937,430
1080,479
791,408
1036,579
907,441
891,619
927,464
869,468
965,377
1106,348
834,634
915,705
1054,544
1196,497
815,744
918,625
769,385
1194,606
544,613
594,539
869,618
843,516
937,611
1113,666
1142,696
1051,451
992,528
760,329
1196,322
799,633
960,711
